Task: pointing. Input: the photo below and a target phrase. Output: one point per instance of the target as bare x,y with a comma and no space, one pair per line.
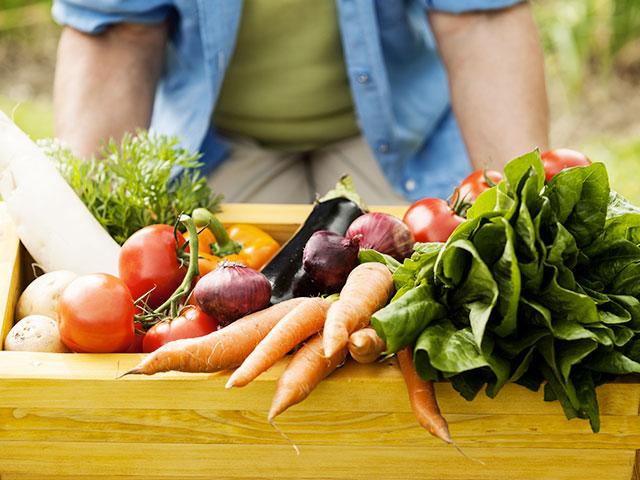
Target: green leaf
520,167
484,204
586,393
368,255
507,276
572,353
612,361
563,251
448,349
477,291
579,197
402,320
565,303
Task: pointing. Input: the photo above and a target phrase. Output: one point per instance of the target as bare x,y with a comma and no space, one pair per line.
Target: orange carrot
367,289
365,346
220,350
422,397
304,372
296,326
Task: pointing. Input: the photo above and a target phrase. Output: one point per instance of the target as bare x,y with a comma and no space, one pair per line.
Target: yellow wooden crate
65,416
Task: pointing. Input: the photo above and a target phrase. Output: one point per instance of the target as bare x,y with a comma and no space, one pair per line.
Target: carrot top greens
133,184
541,285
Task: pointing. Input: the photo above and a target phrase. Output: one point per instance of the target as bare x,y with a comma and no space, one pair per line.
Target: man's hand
105,84
496,75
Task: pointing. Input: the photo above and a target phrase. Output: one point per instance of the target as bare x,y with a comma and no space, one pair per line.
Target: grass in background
34,117
622,158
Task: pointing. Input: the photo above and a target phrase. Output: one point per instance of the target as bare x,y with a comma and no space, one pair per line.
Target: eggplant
285,271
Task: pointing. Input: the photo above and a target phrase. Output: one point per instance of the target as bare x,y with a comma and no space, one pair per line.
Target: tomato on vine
149,263
473,185
554,161
431,220
190,322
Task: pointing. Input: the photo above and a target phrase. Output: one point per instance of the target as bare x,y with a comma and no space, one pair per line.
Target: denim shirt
398,82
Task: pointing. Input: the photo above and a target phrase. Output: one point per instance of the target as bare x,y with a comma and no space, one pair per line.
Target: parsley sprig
129,186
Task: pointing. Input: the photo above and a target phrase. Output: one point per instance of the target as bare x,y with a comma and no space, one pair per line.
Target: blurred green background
592,50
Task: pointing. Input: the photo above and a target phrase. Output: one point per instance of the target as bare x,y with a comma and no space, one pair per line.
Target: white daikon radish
54,225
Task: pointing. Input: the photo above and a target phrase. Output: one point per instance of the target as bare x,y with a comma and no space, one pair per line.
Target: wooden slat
309,428
28,476
9,271
325,462
44,380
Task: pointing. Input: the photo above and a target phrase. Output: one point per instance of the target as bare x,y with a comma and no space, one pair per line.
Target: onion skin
328,258
232,291
384,233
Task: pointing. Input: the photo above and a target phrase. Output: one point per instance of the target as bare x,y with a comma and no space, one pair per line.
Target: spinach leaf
579,197
401,321
477,293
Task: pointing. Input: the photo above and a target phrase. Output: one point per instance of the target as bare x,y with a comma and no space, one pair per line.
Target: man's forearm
496,75
105,84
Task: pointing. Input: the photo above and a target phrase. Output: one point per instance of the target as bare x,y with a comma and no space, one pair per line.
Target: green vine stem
172,304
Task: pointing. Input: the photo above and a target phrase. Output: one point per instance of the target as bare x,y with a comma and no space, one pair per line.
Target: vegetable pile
539,285
530,277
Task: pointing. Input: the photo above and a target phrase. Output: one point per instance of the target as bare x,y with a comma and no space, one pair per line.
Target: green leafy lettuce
541,285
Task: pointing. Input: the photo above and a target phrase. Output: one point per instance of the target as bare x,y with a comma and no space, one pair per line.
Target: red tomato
472,186
192,322
431,220
149,263
136,345
555,161
96,314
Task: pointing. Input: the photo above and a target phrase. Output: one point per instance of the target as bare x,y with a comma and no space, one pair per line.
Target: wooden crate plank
309,428
326,462
54,380
10,270
27,476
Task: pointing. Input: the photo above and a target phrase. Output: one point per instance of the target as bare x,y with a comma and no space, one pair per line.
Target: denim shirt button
410,185
383,147
363,77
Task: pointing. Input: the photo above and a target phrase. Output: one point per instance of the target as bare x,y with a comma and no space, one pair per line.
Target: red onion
384,233
232,291
328,258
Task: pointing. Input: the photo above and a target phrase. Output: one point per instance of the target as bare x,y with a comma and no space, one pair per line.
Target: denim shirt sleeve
93,16
459,6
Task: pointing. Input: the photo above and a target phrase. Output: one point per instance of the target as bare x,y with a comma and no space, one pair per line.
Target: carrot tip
133,371
230,384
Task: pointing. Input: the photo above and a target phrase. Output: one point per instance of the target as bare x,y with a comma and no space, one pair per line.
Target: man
282,96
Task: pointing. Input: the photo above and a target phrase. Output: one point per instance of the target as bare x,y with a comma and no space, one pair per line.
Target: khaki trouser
255,174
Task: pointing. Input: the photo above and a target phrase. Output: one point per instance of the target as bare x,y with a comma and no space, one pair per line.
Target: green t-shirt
286,85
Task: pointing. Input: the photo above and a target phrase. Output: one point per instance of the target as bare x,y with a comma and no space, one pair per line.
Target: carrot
366,290
220,350
422,397
296,326
304,372
365,346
